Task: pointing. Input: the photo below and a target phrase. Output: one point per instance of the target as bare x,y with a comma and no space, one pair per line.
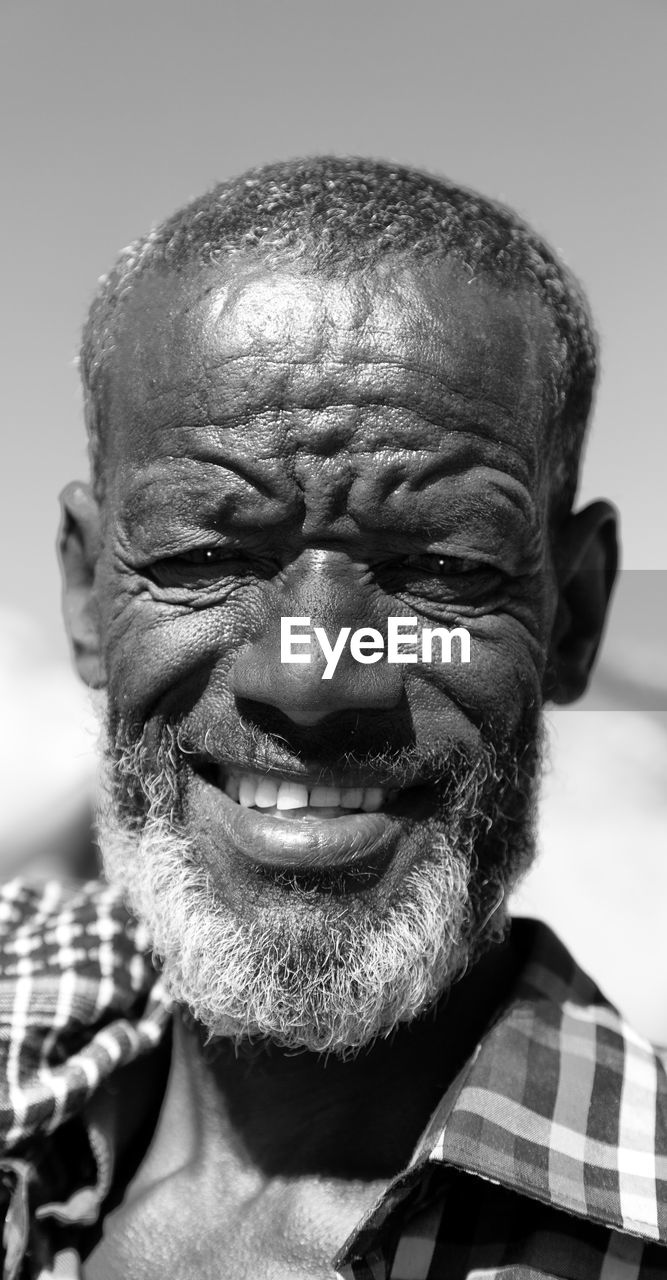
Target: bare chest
197,1224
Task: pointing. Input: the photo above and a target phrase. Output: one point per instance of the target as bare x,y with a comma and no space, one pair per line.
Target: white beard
312,980
332,992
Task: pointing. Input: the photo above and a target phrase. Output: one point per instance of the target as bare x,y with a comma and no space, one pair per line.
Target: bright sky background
115,113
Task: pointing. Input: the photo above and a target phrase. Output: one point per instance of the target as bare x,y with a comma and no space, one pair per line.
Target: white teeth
247,789
372,800
232,787
325,798
264,792
292,795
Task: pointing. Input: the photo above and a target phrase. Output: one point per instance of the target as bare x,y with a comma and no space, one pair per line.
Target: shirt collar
562,1102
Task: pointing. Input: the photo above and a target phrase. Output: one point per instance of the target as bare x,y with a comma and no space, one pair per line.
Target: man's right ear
79,544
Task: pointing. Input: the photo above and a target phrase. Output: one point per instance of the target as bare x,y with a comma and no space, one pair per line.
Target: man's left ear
586,557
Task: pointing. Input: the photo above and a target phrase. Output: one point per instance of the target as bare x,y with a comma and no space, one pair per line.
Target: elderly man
326,396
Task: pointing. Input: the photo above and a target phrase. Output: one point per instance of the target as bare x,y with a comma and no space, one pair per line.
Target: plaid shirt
547,1157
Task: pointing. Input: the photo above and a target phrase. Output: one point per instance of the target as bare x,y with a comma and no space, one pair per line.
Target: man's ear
586,558
79,543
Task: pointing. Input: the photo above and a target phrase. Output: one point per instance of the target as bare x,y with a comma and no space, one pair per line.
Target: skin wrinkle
430,458
416,365
256,481
283,455
475,436
378,364
320,367
355,450
327,399
527,463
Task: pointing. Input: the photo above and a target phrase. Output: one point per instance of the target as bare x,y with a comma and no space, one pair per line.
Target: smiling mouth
301,823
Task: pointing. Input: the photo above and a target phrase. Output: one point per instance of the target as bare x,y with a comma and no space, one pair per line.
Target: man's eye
200,566
454,577
444,566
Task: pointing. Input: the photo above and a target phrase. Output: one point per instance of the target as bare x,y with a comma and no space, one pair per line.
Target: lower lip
303,843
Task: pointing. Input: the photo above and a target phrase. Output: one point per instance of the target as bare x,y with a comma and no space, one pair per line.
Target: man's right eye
203,565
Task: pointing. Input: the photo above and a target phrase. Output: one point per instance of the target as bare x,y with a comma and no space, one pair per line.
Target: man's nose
323,589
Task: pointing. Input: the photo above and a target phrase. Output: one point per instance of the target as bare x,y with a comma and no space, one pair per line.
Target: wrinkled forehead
244,342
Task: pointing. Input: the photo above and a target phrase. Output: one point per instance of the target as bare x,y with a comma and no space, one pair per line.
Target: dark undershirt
142,1086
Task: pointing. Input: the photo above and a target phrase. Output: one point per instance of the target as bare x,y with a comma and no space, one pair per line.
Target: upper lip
312,777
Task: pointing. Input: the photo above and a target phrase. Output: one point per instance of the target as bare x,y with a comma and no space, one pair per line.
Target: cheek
500,682
163,654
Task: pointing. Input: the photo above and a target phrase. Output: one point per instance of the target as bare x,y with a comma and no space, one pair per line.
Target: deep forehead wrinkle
287,442
286,366
412,490
252,386
273,339
227,392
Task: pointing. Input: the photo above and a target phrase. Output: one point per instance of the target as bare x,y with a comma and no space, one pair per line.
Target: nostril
364,734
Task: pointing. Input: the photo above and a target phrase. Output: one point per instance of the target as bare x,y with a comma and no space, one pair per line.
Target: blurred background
113,114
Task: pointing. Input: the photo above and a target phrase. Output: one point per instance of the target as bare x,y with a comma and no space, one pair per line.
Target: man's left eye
436,576
444,566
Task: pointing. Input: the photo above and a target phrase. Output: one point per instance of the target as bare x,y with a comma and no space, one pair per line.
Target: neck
299,1113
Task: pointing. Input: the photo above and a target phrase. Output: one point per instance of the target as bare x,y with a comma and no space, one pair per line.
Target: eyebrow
175,497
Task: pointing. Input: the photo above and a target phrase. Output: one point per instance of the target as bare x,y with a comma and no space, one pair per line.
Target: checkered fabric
547,1157
79,999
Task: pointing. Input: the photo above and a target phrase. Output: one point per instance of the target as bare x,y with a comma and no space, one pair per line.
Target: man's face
283,445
